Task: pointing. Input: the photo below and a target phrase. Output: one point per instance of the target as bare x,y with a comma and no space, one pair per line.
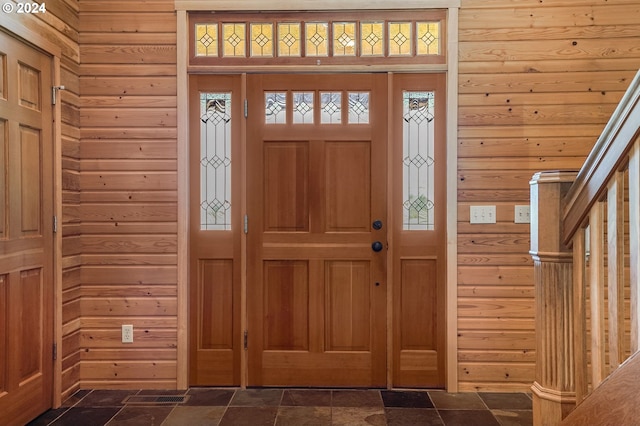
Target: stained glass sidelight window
418,160
215,161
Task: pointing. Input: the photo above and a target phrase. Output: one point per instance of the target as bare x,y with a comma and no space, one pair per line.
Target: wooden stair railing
585,236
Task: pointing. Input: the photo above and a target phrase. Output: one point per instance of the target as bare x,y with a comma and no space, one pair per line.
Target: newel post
554,395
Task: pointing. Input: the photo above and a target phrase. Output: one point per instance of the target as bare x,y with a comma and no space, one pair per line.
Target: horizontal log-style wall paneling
538,81
128,175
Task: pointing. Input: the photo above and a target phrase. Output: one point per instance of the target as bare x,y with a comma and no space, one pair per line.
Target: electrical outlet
127,333
482,214
522,214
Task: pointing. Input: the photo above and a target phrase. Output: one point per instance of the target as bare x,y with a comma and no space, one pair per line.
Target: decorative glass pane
358,107
428,38
303,107
275,107
331,107
317,34
289,39
215,161
233,39
206,39
261,40
344,39
418,160
372,38
399,38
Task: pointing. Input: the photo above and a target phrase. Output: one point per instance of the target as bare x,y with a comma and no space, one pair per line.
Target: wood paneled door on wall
330,183
26,234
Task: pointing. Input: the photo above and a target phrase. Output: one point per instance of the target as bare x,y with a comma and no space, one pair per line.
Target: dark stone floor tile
195,416
356,398
513,401
412,417
306,397
460,401
468,418
140,416
256,397
105,398
249,416
75,398
302,416
351,416
209,396
86,416
47,417
514,417
406,399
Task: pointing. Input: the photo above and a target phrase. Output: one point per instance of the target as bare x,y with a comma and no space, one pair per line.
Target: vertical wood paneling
538,82
127,185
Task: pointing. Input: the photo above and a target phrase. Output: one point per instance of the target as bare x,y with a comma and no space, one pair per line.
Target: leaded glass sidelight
330,107
215,161
358,107
418,160
206,39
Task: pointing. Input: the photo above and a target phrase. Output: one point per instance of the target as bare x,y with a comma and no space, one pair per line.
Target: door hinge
246,339
54,94
246,224
55,224
246,108
55,351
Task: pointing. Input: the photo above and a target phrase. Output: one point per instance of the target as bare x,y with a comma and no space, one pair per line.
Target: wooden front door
317,230
26,235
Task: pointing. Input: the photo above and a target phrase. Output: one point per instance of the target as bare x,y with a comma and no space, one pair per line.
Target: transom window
317,38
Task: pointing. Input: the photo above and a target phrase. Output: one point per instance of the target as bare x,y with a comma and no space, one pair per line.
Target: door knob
377,224
376,246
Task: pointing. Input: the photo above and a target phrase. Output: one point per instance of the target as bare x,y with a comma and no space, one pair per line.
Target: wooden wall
128,193
538,81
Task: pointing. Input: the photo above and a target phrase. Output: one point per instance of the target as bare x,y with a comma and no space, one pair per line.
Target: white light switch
482,214
521,214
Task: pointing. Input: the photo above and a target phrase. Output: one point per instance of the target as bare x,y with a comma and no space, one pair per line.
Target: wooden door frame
451,69
39,42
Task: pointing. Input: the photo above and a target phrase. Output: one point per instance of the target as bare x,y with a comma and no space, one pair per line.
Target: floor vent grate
156,399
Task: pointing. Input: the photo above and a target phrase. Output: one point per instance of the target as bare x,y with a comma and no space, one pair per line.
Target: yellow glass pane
400,39
372,39
344,39
289,39
428,38
317,38
234,40
261,40
206,39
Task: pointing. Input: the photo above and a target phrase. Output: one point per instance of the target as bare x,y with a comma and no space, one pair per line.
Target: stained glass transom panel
289,39
358,107
428,38
206,39
261,40
234,40
303,107
372,38
400,39
275,107
331,107
344,39
317,38
418,160
215,161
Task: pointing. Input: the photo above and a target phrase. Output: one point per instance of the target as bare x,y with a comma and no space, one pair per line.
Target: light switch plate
522,214
482,214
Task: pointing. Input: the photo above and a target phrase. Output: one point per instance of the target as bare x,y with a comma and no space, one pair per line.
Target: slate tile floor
295,407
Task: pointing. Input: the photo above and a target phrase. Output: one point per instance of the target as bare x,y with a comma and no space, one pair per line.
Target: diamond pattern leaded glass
418,160
262,40
215,161
372,38
317,38
206,39
358,107
344,39
303,107
428,38
289,39
233,40
400,40
275,107
330,107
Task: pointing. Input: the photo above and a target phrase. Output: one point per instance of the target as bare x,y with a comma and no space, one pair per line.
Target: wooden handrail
607,156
